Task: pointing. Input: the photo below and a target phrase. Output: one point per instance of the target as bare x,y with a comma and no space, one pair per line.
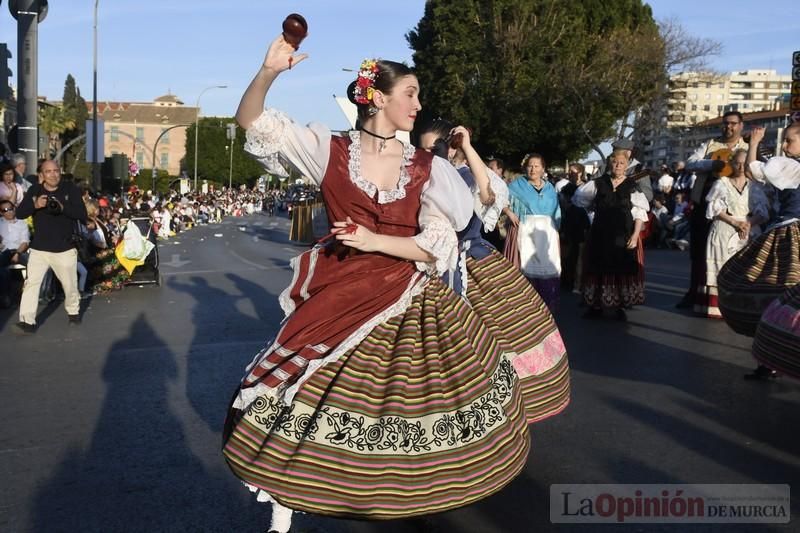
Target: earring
372,111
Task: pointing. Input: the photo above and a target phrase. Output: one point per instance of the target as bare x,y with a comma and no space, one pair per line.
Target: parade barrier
309,223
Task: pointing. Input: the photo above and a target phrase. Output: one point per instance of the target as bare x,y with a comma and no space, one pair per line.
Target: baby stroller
148,272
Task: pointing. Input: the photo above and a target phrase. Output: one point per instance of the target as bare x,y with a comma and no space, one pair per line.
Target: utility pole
29,13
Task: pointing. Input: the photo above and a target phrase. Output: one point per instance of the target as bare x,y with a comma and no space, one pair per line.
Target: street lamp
197,126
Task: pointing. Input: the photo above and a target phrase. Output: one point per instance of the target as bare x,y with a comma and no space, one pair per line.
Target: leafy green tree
54,121
75,108
536,75
213,158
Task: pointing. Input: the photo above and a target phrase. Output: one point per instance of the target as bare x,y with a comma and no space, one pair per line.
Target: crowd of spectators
168,214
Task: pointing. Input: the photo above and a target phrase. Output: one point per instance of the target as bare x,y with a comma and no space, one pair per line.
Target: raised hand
281,56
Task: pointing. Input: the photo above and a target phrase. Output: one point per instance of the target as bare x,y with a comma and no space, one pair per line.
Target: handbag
80,241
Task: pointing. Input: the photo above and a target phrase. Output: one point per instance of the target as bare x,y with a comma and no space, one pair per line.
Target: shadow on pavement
124,480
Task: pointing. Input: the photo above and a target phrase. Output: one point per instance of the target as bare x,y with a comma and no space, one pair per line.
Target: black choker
381,137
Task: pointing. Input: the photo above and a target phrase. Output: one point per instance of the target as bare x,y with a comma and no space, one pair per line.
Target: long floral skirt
425,414
518,318
777,341
107,274
764,269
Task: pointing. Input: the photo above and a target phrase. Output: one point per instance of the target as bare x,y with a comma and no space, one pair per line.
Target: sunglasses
6,209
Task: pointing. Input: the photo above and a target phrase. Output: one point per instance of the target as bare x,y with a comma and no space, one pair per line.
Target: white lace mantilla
438,239
354,166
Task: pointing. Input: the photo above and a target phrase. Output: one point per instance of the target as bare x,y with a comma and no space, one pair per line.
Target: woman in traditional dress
495,289
769,265
534,217
611,267
736,208
383,394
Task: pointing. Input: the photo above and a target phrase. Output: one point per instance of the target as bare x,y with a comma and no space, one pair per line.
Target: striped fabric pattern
424,415
760,272
517,317
777,341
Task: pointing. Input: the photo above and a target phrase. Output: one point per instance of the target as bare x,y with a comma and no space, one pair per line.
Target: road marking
176,261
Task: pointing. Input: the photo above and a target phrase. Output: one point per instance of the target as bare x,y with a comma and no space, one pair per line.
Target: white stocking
281,518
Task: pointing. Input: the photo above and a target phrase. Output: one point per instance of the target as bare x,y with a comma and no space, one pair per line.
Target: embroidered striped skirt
777,341
520,321
760,272
425,414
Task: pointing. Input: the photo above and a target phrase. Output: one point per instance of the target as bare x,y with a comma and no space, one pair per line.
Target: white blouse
781,172
724,198
585,194
446,202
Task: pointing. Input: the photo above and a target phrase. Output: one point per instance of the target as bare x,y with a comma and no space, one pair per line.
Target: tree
54,121
536,75
75,108
213,158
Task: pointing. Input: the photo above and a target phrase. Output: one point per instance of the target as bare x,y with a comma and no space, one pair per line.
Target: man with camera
56,206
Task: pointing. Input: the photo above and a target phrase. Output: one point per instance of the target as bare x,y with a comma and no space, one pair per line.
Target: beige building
132,128
696,98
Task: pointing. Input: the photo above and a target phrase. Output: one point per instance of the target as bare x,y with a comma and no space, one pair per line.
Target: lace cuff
266,136
438,239
490,214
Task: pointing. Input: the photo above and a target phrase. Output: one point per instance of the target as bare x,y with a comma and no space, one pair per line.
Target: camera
53,205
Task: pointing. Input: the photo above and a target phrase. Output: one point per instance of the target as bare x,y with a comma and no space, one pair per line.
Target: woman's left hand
464,132
359,238
633,241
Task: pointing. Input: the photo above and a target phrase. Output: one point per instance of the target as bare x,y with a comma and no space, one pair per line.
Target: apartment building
695,98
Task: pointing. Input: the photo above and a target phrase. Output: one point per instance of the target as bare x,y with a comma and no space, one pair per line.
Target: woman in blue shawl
534,217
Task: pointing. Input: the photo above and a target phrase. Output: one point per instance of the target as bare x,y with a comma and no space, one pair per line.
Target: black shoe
74,320
592,312
24,327
620,315
761,373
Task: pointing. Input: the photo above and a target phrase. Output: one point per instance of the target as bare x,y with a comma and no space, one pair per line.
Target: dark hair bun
440,148
351,92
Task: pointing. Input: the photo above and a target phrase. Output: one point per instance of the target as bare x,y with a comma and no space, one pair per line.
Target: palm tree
54,121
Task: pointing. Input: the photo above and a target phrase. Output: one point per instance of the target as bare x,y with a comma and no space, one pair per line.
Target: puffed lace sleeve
273,138
585,194
781,172
490,214
640,206
446,207
717,199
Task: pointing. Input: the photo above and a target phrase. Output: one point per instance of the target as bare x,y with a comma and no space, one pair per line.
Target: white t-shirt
14,232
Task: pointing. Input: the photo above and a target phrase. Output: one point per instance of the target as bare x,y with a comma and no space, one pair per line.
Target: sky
148,48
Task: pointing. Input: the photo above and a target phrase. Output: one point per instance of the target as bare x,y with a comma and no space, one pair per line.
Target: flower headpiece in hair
365,83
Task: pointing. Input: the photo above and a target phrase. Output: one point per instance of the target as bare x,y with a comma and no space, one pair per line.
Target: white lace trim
286,302
415,287
354,166
490,214
438,239
267,134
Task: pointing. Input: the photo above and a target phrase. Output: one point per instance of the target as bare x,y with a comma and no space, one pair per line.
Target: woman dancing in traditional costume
612,276
532,242
769,265
383,395
736,208
505,301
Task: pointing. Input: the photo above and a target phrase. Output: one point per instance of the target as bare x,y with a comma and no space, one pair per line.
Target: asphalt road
114,425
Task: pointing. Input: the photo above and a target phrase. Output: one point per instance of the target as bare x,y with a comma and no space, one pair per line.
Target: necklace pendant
382,146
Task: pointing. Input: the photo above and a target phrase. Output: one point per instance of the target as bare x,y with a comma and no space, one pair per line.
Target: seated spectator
659,216
666,181
14,240
679,222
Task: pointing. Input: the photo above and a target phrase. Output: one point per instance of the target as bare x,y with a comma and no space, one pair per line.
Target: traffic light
5,72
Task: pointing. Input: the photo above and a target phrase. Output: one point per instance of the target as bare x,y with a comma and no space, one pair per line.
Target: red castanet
295,29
